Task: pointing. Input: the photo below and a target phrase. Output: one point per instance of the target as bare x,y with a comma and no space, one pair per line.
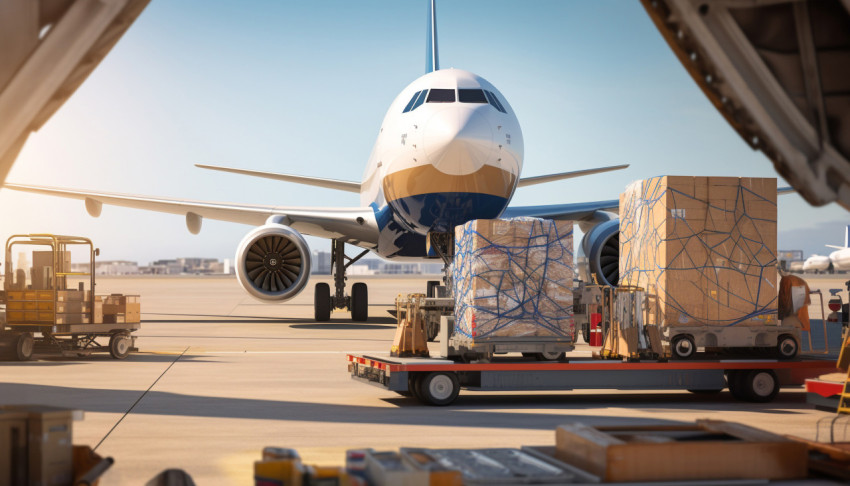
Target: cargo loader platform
439,381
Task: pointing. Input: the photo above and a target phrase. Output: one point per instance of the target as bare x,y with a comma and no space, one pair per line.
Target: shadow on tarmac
224,319
469,411
343,326
51,360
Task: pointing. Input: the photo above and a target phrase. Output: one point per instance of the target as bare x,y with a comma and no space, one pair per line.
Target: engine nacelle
599,254
273,262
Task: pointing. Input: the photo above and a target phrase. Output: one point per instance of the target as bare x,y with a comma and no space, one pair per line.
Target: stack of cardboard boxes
35,445
118,308
74,307
513,280
703,248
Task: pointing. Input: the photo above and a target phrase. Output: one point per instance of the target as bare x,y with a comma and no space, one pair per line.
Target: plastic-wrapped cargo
513,280
704,249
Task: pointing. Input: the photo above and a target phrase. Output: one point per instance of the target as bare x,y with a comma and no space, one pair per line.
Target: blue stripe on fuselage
403,223
442,211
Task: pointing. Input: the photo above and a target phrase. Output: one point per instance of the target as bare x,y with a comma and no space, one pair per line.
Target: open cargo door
779,73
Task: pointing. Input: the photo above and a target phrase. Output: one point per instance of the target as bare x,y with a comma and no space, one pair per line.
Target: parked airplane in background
840,258
449,150
837,261
816,263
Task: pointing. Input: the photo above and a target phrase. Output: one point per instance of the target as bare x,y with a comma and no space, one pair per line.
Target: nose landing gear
357,303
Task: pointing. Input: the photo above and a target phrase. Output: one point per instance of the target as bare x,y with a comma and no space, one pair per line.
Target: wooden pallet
709,449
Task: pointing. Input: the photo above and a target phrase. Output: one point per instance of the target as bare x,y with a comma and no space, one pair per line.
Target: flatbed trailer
439,381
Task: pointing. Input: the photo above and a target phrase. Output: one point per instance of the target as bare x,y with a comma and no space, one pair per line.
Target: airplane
816,263
449,150
840,258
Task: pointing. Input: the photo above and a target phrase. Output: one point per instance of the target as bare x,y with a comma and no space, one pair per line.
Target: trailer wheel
119,345
733,381
760,386
549,356
322,302
24,347
413,386
683,347
439,388
787,347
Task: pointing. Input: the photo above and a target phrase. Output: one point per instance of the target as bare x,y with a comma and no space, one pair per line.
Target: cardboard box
49,448
513,279
72,306
13,448
72,295
708,450
704,248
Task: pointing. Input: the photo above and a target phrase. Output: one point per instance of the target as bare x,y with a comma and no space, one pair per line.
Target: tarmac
220,375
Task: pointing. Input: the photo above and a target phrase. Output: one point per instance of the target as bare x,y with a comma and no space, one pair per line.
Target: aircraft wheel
787,347
439,388
24,347
119,345
683,347
359,302
322,302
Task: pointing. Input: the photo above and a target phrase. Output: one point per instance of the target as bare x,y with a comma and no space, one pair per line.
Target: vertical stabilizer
847,237
432,56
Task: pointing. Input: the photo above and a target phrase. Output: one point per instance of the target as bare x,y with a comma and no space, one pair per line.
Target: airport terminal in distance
671,340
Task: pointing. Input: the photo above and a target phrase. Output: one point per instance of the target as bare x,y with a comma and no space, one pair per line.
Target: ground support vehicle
46,313
439,381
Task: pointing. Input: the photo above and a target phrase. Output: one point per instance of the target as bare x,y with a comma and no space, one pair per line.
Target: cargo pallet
439,381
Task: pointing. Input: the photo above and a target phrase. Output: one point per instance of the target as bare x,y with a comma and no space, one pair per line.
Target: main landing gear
357,302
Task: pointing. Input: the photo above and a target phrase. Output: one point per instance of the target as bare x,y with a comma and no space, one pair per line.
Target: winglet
432,55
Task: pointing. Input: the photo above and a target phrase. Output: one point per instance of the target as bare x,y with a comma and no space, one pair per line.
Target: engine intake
599,254
273,262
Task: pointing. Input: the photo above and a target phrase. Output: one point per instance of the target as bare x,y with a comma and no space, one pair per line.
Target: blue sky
301,87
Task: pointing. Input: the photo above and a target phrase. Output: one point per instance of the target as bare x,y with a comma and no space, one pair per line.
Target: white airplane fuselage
437,163
816,263
840,259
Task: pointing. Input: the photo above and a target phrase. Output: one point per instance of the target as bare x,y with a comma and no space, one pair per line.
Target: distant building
321,264
360,269
113,267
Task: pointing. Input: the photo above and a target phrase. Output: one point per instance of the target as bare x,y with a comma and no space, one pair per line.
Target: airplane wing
310,181
573,211
353,225
836,247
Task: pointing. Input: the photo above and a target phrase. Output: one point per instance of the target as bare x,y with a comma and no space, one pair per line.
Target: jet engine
599,254
273,262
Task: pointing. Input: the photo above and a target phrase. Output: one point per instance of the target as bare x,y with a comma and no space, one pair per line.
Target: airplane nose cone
458,140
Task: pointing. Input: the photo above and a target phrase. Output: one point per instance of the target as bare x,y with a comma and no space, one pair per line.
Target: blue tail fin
432,56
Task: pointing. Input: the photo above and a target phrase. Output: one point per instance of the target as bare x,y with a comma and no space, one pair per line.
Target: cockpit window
441,96
495,102
419,100
410,103
471,96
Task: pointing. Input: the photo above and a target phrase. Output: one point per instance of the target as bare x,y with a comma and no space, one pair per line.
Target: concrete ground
220,376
